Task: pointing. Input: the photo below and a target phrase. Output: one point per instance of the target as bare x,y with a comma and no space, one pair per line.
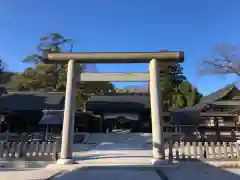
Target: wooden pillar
101,119
2,119
217,128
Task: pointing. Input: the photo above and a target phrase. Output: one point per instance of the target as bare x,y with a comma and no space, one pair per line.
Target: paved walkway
199,171
39,174
109,175
124,137
118,161
92,163
115,153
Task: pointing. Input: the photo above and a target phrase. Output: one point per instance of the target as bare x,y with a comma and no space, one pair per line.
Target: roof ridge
227,87
220,93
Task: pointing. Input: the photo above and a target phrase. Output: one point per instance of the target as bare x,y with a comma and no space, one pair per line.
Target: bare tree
226,60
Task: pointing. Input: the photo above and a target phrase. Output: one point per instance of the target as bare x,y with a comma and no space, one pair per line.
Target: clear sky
123,25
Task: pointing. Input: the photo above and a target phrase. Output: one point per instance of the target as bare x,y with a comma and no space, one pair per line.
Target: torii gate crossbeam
137,57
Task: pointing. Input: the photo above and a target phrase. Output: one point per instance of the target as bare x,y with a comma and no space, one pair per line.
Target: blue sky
123,25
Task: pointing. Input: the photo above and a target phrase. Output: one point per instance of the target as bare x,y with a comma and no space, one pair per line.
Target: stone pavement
97,138
182,171
37,174
73,172
199,171
121,160
92,162
115,153
109,175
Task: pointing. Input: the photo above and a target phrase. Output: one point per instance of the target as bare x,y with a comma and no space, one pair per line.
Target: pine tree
170,78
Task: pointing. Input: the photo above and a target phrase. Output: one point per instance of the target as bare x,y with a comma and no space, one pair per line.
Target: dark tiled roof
118,102
126,103
56,117
32,101
215,96
142,99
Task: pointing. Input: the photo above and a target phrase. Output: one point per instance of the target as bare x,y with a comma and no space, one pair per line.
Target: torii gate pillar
156,111
69,115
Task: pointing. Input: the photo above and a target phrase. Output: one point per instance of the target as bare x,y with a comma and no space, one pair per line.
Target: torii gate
153,58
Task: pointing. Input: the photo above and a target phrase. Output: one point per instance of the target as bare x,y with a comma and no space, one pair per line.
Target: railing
29,151
14,137
198,150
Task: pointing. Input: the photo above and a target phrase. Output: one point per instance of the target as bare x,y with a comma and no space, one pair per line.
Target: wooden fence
198,150
29,151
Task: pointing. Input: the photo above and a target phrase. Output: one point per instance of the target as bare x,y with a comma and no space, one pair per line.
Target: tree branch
227,61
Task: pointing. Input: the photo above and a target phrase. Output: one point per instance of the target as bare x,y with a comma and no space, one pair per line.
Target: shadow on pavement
197,170
110,172
191,170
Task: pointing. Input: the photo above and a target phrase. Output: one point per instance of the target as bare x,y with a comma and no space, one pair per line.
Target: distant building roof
143,99
209,99
32,101
56,117
118,102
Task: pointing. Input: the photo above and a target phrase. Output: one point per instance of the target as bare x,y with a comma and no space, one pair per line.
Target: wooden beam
227,103
115,57
217,114
115,77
